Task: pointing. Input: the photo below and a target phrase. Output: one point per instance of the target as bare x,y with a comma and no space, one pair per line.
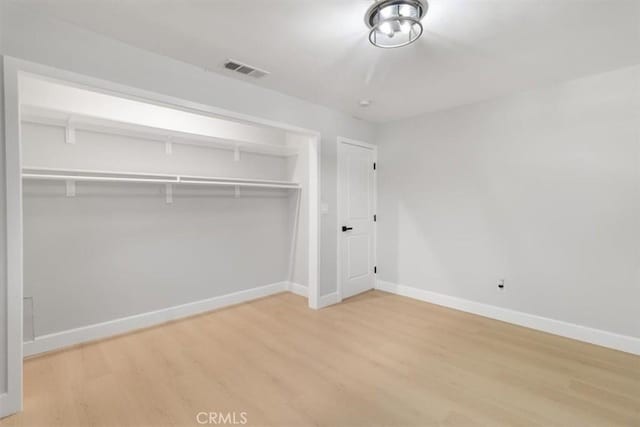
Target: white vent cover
247,70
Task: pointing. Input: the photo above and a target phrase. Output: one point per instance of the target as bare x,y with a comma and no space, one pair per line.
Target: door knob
345,228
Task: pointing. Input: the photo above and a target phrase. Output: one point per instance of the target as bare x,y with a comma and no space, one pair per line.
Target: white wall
117,250
44,146
47,41
541,188
3,245
298,168
51,96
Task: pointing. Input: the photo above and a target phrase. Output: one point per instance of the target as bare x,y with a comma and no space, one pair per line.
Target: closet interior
132,207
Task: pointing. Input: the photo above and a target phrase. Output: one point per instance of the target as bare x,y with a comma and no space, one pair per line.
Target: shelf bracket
71,188
236,154
237,193
70,133
168,146
169,193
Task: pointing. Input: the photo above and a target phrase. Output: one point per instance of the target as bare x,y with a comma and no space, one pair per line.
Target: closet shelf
45,116
51,174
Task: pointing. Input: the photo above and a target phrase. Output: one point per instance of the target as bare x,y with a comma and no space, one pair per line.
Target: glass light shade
395,23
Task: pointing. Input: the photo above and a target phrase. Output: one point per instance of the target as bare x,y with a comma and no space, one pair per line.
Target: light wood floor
377,359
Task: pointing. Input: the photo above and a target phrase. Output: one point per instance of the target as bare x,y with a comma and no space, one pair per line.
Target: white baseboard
10,403
569,330
298,289
127,324
302,290
327,300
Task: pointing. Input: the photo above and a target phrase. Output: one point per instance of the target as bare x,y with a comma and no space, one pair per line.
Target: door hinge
375,270
374,165
375,218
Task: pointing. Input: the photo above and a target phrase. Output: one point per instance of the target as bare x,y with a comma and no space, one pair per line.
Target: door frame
339,208
11,69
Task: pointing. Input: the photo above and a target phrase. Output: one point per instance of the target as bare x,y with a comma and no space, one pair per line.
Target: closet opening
127,209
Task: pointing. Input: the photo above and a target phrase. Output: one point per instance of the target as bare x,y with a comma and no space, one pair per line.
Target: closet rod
54,171
177,180
240,184
34,170
220,178
46,177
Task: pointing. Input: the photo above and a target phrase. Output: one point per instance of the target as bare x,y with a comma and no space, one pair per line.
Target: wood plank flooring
375,360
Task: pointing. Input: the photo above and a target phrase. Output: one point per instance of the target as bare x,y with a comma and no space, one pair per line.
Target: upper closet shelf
71,122
51,174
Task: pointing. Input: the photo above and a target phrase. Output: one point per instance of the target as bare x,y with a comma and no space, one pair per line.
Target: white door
356,193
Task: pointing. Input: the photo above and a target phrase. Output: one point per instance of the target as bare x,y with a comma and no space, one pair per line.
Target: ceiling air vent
245,69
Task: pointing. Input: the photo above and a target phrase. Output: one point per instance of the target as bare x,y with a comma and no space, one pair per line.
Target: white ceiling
318,49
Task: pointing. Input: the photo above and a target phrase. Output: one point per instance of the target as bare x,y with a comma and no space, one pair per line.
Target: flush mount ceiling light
395,23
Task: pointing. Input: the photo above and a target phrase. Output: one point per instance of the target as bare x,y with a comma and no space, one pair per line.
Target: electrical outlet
501,284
